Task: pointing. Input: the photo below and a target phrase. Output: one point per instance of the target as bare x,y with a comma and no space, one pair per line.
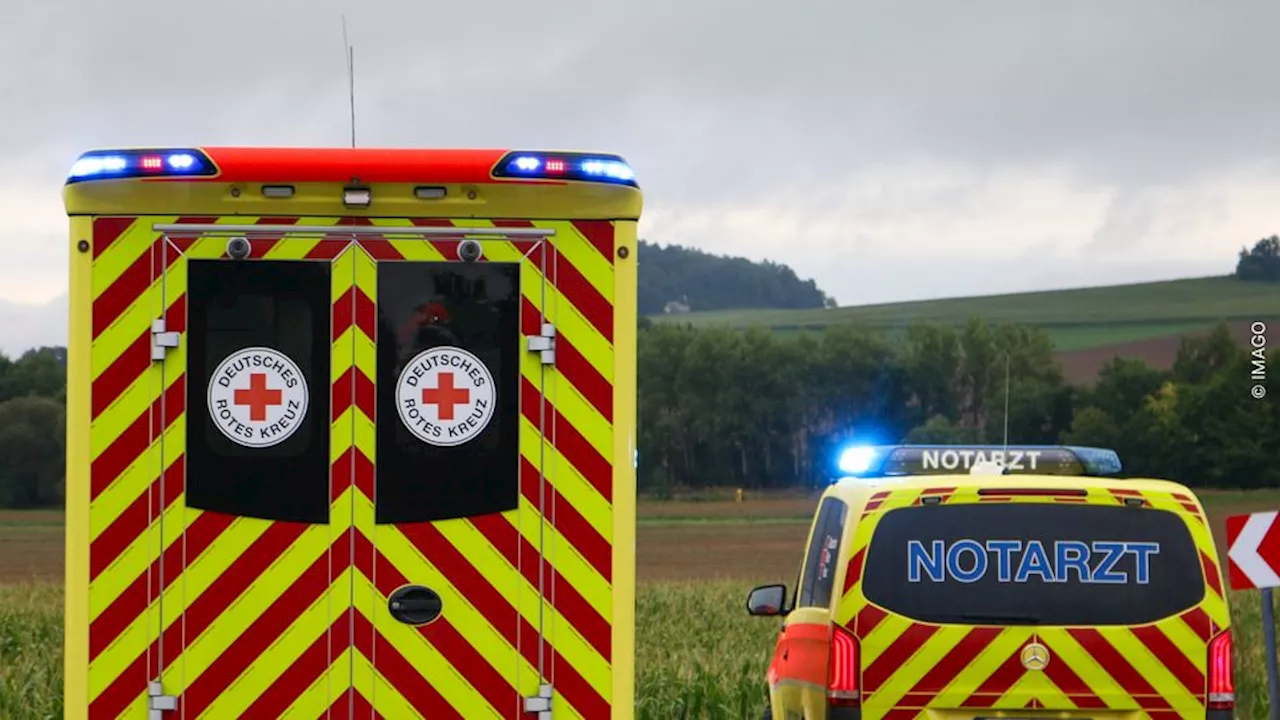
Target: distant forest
693,280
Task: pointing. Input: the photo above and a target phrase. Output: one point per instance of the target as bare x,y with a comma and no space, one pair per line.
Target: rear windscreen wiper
988,619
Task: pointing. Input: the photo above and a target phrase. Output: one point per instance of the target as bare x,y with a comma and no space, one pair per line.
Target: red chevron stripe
343,313
566,438
575,288
1111,660
342,394
447,246
147,587
269,625
893,657
340,474
327,249
571,363
380,250
366,315
106,230
998,683
867,619
136,518
1071,685
305,670
565,598
599,233
565,518
112,382
365,475
203,612
503,616
120,374
1211,573
410,682
1168,654
261,243
950,666
125,290
441,634
134,441
1199,622
111,303
853,572
352,706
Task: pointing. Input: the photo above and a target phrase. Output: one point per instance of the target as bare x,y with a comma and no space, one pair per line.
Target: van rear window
1033,563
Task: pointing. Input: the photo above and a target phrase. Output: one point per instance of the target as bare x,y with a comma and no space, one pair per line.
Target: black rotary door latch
415,605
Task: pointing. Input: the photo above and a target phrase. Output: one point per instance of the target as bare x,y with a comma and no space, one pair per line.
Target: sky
892,150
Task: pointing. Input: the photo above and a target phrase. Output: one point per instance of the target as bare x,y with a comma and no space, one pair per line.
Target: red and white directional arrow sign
1253,550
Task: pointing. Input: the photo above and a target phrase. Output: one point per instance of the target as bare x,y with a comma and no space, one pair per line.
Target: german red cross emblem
446,396
257,397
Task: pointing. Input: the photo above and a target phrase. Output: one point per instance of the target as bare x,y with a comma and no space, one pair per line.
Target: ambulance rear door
460,598
254,614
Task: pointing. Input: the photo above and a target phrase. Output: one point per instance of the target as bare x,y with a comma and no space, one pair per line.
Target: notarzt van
991,582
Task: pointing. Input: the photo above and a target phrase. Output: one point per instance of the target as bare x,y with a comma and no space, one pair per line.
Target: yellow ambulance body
351,434
1042,591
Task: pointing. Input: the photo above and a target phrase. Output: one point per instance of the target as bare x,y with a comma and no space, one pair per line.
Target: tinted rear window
1046,564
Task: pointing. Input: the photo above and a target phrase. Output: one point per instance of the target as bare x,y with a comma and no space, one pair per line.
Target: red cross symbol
258,397
445,396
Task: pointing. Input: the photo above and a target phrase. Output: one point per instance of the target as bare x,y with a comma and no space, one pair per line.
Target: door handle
415,605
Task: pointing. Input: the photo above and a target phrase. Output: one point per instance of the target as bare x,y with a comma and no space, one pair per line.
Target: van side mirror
767,601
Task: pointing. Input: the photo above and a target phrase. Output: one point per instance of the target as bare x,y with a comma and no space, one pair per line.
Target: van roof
856,491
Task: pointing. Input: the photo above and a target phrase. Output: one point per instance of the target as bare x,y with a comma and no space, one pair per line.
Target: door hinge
158,702
540,703
544,344
161,340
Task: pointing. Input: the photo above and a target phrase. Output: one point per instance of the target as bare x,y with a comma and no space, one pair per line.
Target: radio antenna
350,53
1006,402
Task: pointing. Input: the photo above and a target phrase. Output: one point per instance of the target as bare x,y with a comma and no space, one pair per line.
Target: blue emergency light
566,166
125,164
899,460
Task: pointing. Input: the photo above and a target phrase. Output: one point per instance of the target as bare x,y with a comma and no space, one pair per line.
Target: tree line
689,279
757,410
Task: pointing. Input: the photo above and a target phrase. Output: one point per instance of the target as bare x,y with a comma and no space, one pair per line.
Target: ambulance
1001,582
351,434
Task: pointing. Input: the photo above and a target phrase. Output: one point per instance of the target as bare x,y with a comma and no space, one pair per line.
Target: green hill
1076,319
678,275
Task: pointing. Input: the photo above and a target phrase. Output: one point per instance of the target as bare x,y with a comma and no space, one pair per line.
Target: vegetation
1262,263
1073,319
754,410
702,281
722,407
700,656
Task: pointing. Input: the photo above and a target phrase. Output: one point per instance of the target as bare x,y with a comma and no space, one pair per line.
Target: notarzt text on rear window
969,561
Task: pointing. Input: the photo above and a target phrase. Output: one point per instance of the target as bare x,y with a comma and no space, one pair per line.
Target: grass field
1076,319
699,655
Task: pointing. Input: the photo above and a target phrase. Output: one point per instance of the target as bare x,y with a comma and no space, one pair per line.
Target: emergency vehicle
1011,582
351,434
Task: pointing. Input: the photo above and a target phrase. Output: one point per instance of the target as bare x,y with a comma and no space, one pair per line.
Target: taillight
842,669
1222,688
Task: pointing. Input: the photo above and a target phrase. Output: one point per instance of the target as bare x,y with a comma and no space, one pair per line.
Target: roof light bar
586,167
898,460
128,164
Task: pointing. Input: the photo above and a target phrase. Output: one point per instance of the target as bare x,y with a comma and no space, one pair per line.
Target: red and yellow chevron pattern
241,617
1156,670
